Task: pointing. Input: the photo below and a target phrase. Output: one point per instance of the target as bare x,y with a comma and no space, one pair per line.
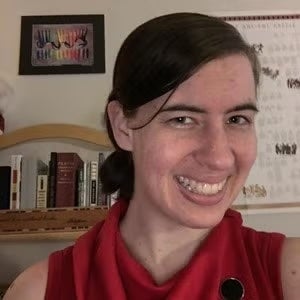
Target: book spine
28,180
88,183
15,192
42,169
31,168
51,193
93,182
5,179
82,186
41,193
68,165
102,199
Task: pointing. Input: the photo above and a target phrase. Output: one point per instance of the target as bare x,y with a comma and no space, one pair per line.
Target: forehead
229,77
221,83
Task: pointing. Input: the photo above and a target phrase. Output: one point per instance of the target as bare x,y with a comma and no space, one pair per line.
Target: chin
199,216
203,220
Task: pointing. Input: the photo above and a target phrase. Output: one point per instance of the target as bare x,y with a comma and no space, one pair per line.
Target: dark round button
232,289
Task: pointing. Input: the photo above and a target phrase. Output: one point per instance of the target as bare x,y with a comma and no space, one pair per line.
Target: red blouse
99,265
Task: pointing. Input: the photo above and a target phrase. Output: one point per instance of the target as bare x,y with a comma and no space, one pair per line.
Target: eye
239,120
181,122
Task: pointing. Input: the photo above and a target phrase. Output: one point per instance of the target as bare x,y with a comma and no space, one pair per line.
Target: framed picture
62,44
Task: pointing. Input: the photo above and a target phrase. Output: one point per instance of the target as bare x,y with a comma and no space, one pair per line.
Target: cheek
156,152
162,159
249,152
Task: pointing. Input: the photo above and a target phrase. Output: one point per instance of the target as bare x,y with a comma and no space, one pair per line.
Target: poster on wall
273,184
62,44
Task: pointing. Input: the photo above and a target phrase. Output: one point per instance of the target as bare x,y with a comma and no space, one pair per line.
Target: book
88,183
31,168
82,186
40,220
67,168
5,187
15,181
93,182
102,199
41,191
51,186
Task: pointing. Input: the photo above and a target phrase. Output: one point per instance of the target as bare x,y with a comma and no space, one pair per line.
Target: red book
68,165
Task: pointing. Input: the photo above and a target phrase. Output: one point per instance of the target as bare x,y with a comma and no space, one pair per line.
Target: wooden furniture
46,131
53,223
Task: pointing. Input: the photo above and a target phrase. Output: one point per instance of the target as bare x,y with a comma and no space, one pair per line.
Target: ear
119,124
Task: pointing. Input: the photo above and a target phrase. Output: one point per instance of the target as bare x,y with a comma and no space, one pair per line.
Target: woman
181,116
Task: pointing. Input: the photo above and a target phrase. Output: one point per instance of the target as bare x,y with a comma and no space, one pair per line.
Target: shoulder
31,284
267,244
290,268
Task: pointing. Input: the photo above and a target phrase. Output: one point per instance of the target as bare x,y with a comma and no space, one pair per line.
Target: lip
205,200
209,180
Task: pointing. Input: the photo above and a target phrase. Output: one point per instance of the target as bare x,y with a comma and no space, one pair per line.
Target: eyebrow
191,108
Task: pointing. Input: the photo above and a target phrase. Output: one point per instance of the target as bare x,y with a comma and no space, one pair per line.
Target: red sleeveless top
99,266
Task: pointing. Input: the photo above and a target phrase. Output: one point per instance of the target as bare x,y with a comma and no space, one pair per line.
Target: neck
162,246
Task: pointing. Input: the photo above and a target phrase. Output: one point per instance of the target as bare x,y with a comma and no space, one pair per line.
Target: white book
41,191
93,182
15,180
83,186
31,168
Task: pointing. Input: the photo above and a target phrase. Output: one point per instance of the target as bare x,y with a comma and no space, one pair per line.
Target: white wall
80,99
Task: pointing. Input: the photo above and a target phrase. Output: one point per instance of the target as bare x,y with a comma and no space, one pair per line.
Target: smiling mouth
200,188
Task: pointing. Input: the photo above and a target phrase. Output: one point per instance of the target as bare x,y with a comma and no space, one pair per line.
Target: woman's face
193,158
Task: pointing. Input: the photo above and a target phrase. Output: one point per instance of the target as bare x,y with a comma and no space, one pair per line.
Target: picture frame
62,44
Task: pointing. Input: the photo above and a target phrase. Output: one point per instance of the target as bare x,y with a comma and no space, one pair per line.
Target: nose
216,150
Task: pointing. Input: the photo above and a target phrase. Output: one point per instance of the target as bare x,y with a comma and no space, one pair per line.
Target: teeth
199,187
185,181
193,184
206,188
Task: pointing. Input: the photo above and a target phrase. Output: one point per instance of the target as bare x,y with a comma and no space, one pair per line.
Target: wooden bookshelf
55,223
66,236
55,131
49,224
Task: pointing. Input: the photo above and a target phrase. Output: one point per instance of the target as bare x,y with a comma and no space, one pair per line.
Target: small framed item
62,44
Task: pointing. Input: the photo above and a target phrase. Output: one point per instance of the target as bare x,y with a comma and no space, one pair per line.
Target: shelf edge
42,236
53,131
